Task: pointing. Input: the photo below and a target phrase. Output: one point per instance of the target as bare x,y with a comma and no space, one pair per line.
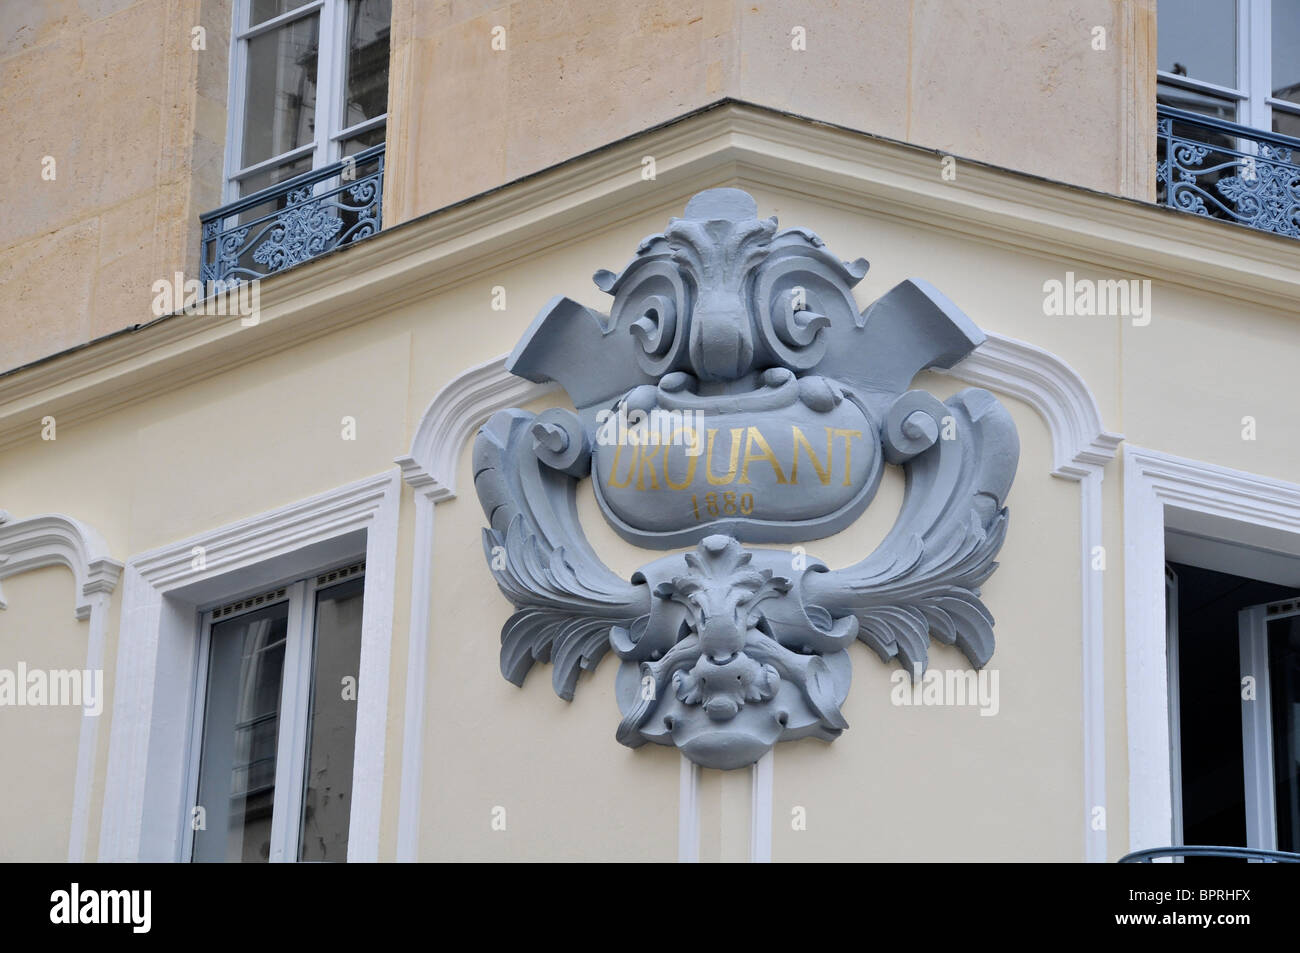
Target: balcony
294,221
1222,170
1252,854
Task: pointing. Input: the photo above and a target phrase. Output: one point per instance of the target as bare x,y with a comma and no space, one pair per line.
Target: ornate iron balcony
1222,170
1237,853
295,220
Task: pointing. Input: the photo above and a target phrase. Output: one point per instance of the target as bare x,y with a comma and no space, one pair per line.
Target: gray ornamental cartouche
735,395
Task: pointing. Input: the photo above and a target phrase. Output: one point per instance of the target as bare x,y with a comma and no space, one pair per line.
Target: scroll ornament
735,395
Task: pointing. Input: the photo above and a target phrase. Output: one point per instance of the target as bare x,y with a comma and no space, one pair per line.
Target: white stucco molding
453,416
1081,449
57,540
729,140
761,785
447,424
144,796
1080,443
1160,490
688,812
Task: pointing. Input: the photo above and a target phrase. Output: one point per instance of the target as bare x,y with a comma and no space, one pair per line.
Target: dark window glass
1288,124
280,90
366,84
1209,673
240,733
331,736
1198,39
263,10
258,181
1285,35
1284,687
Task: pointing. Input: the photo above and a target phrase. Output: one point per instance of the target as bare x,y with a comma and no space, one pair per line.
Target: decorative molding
1080,443
724,141
54,539
1158,490
1081,448
57,540
760,812
144,795
417,675
462,406
688,813
726,324
452,417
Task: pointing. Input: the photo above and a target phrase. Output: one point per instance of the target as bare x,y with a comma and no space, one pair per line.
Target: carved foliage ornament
735,395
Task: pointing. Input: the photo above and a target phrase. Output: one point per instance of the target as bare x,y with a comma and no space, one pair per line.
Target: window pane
274,175
1286,123
1198,38
363,140
1176,96
280,101
263,10
367,81
1286,50
1284,686
331,736
265,179
240,729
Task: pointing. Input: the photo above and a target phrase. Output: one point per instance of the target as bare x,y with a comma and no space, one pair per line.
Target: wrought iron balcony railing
1222,170
294,221
1232,853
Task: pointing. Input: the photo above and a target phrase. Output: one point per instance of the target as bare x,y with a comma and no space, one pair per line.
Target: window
1228,111
1270,657
309,86
1234,682
275,728
1237,60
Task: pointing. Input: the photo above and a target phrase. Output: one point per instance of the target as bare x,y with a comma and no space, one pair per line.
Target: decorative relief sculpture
736,395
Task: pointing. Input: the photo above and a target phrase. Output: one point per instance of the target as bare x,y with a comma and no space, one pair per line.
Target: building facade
285,284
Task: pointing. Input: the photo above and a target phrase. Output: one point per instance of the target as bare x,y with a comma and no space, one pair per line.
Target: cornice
728,141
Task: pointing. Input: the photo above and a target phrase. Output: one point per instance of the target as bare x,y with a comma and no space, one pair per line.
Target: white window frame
1175,709
1253,92
146,814
295,712
331,73
1257,721
1161,492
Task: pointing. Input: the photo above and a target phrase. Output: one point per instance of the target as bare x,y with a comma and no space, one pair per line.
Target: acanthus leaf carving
773,405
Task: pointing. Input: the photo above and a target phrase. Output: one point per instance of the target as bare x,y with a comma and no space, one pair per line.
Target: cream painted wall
38,744
907,764
931,783
920,783
1243,359
568,789
1033,747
